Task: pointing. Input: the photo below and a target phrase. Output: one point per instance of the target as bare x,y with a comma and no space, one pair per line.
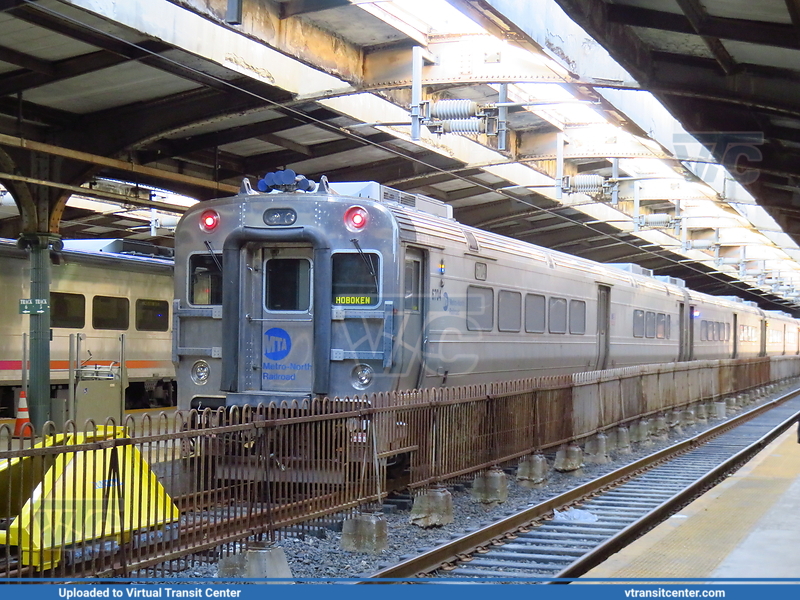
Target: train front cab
308,309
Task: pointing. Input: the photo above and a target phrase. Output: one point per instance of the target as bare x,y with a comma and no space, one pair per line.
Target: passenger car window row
68,311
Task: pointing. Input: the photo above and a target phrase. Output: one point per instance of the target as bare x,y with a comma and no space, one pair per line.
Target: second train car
359,288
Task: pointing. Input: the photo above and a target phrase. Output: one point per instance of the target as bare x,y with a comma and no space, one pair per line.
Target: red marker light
355,218
209,220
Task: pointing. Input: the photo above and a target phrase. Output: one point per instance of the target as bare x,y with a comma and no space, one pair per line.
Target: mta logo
277,343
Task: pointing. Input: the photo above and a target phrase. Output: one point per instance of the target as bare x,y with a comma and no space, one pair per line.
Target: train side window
152,315
509,311
558,315
411,296
727,332
703,331
480,308
577,317
650,324
534,313
355,278
67,311
669,326
109,312
205,277
661,326
288,284
638,323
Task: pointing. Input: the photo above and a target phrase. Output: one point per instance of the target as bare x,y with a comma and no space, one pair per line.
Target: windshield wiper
366,262
213,254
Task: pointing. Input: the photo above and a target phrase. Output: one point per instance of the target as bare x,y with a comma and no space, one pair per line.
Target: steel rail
427,562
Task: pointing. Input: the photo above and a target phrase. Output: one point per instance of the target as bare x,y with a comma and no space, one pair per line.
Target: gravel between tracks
310,556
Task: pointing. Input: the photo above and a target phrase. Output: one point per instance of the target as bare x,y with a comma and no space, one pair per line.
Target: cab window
205,277
355,279
288,284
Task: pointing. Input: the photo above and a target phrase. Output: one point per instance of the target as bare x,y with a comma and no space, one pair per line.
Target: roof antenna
245,188
323,184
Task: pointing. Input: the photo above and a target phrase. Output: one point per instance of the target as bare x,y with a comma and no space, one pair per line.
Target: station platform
746,527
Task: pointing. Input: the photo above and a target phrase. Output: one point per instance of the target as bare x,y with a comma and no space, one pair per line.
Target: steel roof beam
187,145
26,61
697,15
753,87
292,8
393,168
413,183
19,81
272,160
793,6
37,115
739,30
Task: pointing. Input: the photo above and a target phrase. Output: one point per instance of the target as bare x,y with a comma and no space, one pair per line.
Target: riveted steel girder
542,146
471,59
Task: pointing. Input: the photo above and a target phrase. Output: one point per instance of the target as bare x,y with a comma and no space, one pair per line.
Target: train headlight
355,218
200,372
209,219
280,216
362,376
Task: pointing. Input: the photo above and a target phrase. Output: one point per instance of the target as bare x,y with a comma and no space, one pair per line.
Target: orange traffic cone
23,426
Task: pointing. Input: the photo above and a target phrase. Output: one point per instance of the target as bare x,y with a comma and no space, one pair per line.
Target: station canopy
146,107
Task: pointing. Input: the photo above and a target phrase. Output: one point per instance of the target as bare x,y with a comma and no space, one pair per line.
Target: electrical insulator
454,109
701,244
656,220
583,184
464,126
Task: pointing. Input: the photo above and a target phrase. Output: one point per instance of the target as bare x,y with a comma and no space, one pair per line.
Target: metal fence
158,493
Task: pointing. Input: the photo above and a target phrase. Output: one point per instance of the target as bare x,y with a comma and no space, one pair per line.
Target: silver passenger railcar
359,288
100,294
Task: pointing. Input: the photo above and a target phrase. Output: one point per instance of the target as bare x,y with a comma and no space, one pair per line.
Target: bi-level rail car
360,288
98,294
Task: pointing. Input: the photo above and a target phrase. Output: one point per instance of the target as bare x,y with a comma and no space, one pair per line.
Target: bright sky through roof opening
439,15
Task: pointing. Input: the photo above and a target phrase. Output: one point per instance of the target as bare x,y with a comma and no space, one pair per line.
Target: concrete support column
700,413
611,439
623,440
432,508
266,561
568,458
720,409
261,560
674,421
640,432
490,487
365,532
596,450
532,470
687,417
711,409
660,428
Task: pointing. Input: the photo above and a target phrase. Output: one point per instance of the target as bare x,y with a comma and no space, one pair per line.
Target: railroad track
600,517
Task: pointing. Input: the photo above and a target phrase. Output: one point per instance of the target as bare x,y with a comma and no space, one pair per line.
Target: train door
686,332
783,341
411,328
735,336
762,350
603,322
287,329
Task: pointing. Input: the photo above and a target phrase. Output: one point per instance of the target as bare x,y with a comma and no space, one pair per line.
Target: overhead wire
289,107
